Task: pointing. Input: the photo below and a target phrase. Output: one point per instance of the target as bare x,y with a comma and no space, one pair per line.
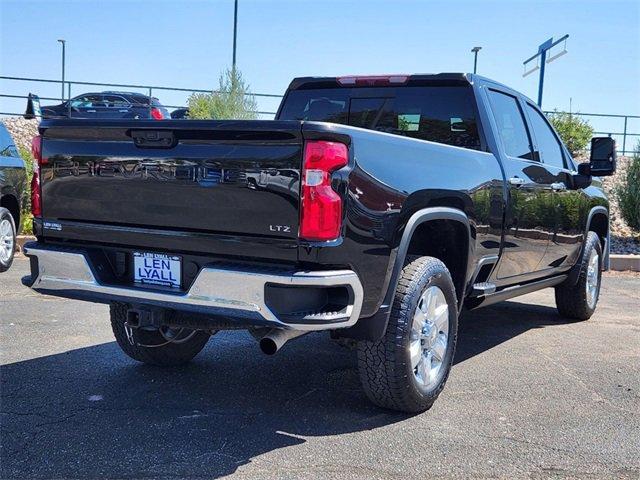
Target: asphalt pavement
531,395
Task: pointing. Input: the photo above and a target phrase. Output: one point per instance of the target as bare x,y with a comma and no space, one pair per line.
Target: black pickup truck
373,207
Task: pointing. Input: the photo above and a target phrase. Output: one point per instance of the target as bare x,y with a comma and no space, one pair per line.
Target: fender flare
373,328
573,275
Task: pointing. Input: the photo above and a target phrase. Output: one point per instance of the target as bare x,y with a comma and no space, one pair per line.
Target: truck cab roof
397,80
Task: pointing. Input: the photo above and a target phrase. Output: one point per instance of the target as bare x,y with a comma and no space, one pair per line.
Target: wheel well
600,225
446,240
11,203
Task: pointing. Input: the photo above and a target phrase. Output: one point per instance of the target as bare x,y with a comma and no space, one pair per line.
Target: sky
188,43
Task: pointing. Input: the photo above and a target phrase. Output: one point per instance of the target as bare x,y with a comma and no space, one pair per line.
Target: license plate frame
157,269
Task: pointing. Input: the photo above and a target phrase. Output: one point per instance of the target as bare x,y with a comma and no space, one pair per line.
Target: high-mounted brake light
373,80
36,191
156,114
321,206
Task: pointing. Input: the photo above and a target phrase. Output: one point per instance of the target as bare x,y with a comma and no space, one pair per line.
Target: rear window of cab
442,114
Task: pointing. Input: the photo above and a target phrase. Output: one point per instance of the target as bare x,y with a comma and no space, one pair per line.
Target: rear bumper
234,293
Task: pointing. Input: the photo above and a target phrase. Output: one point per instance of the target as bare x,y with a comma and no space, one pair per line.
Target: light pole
542,60
235,31
475,51
63,42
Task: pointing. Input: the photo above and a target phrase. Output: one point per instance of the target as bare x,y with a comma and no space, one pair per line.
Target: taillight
36,193
156,113
321,206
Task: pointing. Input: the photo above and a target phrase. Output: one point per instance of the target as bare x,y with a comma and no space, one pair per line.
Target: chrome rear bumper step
215,290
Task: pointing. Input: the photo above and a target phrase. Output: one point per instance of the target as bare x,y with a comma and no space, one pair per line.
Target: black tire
385,366
168,355
572,299
6,221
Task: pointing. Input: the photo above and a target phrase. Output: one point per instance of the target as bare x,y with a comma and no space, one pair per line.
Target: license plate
156,269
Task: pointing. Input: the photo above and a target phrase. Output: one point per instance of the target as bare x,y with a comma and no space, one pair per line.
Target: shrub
574,131
25,215
27,223
233,100
628,192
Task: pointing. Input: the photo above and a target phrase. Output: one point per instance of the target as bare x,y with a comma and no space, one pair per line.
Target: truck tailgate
238,178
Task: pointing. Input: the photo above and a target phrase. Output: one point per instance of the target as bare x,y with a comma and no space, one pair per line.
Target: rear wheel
407,369
164,347
579,300
7,239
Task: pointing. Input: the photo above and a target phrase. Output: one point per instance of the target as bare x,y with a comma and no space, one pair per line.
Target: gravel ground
530,396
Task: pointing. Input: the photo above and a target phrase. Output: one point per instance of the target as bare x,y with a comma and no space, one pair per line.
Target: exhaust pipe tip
273,341
268,346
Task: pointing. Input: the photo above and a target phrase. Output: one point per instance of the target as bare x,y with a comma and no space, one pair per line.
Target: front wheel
408,367
578,301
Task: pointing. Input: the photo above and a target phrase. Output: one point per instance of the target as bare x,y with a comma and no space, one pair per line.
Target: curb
625,263
22,239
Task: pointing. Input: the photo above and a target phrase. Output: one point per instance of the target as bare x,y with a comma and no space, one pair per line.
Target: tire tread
6,213
381,364
571,299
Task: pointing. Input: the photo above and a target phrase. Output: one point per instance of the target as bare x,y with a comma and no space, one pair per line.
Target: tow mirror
603,156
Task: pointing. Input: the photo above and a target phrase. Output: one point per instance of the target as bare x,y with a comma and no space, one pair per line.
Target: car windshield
443,114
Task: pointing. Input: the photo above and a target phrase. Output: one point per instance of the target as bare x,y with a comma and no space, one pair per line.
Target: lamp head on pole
476,49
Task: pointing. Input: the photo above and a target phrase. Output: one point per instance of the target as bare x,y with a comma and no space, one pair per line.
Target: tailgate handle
153,138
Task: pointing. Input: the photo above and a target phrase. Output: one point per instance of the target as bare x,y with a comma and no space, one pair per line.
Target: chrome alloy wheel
6,240
593,278
429,336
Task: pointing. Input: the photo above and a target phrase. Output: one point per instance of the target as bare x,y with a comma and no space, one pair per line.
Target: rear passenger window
115,101
547,143
511,126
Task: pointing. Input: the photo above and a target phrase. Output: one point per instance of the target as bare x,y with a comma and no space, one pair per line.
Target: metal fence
72,89
623,122
618,126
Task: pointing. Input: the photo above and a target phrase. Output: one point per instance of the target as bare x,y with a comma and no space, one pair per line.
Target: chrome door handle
558,187
517,181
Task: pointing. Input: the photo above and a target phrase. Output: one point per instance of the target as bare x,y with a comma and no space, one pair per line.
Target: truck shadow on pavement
93,413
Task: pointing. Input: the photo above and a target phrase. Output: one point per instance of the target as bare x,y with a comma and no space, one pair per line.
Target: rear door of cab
529,216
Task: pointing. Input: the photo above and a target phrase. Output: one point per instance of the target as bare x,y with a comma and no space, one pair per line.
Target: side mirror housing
603,156
583,178
584,169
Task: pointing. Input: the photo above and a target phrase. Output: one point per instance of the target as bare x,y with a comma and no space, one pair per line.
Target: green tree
233,100
628,192
574,131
